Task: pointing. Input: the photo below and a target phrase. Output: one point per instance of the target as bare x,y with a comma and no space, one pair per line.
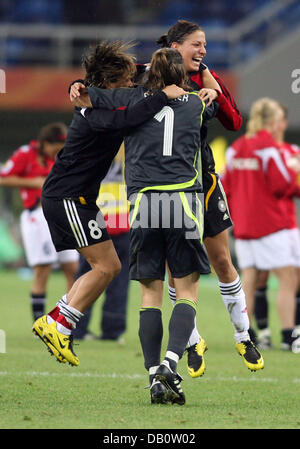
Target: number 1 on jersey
167,113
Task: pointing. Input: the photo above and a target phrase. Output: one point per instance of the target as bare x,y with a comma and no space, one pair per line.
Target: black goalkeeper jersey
162,153
91,146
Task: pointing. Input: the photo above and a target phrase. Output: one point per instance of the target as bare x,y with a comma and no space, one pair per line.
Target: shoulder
24,152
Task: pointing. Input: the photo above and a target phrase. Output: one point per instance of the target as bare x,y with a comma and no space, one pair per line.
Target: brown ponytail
166,68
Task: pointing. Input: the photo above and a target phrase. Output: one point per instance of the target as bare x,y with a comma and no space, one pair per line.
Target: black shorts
74,225
216,212
166,227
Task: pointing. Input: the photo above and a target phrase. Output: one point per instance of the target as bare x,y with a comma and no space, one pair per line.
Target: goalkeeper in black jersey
164,188
70,191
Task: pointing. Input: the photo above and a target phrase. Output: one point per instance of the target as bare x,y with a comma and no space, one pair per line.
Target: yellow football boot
252,358
195,359
38,329
63,343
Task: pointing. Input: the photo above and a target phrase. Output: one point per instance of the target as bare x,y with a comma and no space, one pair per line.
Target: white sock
235,302
172,295
71,314
152,371
63,300
195,336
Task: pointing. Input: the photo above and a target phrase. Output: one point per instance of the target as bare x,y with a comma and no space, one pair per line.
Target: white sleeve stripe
230,153
273,153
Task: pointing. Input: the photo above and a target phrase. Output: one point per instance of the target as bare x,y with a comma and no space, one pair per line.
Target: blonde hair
262,112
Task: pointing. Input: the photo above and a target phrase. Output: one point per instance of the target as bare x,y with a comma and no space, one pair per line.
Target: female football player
70,191
27,170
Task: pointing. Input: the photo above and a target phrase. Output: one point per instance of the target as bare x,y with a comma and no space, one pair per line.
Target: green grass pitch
107,390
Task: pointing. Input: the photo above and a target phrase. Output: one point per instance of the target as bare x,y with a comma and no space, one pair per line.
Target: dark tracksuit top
91,147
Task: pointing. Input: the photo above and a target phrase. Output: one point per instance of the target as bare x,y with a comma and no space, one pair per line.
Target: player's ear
175,45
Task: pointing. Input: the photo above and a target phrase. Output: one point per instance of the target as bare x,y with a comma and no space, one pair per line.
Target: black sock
261,308
297,318
287,336
151,334
252,334
181,325
38,302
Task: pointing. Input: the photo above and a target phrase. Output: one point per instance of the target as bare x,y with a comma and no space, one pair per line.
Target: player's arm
102,119
125,115
211,88
18,181
281,180
210,111
228,114
13,171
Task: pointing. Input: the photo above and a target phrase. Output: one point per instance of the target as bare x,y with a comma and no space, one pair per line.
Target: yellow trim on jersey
189,213
209,193
186,208
136,208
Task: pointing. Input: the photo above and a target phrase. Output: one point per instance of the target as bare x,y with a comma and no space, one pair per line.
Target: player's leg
81,330
74,225
216,223
295,240
187,260
230,285
147,265
105,265
261,311
181,325
38,289
241,307
114,309
196,345
69,263
151,334
286,304
40,254
297,317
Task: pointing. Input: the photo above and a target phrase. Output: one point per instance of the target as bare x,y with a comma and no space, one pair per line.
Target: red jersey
26,163
289,150
256,178
228,113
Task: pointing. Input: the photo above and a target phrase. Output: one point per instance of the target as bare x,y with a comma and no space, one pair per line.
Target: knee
113,270
116,269
222,263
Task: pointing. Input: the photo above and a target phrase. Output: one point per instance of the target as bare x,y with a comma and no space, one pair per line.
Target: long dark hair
178,33
108,63
167,67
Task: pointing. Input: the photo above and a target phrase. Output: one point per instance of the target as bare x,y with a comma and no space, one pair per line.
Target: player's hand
174,91
79,96
294,163
208,95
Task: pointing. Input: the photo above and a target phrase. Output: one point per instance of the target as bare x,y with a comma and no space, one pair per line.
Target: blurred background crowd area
252,44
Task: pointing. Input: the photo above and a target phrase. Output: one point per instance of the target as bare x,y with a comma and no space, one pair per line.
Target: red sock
54,313
62,320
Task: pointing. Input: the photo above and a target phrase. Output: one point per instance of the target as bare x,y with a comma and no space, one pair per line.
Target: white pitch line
232,379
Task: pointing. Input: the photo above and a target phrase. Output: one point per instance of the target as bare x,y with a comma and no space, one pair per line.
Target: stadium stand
236,31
